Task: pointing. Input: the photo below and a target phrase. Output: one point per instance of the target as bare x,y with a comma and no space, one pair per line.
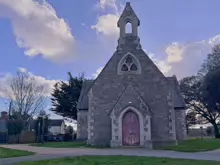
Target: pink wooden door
130,129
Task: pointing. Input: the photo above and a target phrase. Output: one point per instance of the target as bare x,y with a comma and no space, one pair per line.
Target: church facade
131,103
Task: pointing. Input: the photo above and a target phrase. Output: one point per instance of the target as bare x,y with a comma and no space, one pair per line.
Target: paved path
50,153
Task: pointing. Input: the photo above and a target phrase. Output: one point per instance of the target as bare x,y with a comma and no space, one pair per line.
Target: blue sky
49,38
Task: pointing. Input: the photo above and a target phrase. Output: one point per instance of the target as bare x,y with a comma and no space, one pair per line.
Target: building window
124,68
128,28
129,64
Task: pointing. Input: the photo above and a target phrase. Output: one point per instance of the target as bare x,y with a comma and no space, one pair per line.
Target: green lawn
61,144
120,160
195,145
7,153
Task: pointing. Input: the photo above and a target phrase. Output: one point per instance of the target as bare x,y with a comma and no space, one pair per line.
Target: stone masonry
130,81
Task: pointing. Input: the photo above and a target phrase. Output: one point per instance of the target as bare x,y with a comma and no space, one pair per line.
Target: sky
49,38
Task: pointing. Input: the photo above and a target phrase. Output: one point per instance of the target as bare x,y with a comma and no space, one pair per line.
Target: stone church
131,103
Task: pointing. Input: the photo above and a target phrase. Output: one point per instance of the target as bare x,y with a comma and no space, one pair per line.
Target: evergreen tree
65,96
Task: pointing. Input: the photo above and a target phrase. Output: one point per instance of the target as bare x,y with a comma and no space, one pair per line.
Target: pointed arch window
129,64
128,28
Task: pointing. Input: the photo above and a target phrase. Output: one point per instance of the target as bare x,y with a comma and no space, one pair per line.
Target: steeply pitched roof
176,93
83,98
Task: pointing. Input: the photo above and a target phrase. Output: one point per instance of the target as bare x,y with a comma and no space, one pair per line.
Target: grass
120,160
61,144
75,144
191,145
195,145
8,153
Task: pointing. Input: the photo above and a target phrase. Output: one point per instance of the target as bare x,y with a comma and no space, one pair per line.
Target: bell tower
128,24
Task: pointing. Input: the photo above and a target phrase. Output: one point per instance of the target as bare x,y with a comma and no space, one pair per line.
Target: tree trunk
216,130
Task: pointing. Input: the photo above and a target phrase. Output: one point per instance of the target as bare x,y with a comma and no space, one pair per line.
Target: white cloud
103,4
186,59
162,65
98,71
214,40
22,69
48,84
5,81
174,52
5,89
107,25
38,29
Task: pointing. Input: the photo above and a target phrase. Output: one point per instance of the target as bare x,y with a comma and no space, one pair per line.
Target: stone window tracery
129,64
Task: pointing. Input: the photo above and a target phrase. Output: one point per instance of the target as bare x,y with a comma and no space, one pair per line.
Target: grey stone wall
151,85
82,125
180,124
130,100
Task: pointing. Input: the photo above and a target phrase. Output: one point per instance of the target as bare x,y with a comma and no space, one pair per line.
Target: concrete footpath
52,153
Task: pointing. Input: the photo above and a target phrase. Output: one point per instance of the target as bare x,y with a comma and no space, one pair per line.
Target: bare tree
27,96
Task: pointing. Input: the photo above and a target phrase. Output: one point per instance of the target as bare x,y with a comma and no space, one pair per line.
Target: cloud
174,52
98,71
5,89
22,69
5,81
214,40
38,29
162,65
186,59
103,4
106,24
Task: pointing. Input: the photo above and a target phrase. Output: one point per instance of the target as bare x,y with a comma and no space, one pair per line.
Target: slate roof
176,94
83,98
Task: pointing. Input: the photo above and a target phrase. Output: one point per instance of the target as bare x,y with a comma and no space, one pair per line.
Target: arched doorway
130,129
